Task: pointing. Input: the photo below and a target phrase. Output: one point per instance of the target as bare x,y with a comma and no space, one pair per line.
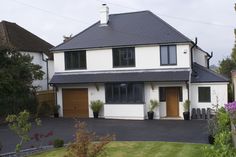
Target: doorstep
171,118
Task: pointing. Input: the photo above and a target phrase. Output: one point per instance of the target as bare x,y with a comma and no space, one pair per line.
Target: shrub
153,105
186,105
21,125
220,129
96,105
86,143
44,109
57,143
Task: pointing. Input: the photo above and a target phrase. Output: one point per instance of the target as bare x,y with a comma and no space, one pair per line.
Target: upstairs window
75,60
168,55
123,57
204,94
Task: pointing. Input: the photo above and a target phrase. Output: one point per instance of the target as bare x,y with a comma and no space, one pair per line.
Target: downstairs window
124,93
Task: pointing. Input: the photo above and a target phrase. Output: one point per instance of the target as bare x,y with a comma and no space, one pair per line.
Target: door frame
177,92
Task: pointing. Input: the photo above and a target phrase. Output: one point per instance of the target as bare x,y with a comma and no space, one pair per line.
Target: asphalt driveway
194,131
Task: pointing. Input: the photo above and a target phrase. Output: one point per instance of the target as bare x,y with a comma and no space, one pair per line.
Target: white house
126,60
24,41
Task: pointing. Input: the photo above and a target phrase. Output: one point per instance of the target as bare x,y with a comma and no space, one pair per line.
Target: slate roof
202,74
126,29
135,76
17,37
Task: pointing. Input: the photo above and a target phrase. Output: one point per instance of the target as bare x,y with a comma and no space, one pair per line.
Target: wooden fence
46,97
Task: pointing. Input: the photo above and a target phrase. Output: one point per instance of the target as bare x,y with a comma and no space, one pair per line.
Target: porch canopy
120,76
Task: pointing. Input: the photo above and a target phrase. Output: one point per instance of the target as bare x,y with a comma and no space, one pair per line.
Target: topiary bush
57,143
96,105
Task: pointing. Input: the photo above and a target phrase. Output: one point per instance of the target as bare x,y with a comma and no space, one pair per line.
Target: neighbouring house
15,36
126,60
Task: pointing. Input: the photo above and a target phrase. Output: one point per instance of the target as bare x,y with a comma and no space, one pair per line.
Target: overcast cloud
212,21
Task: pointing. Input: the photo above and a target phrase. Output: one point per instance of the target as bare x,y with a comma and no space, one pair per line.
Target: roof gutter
208,60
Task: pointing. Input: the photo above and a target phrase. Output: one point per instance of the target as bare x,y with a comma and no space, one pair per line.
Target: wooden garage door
75,103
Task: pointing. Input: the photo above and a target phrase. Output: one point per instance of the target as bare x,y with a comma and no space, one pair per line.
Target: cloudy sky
212,21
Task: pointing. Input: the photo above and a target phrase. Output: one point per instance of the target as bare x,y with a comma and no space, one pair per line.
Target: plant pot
56,115
95,114
150,115
211,139
186,115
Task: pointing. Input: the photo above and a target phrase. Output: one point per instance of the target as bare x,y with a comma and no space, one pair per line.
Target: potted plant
56,111
186,112
152,106
96,107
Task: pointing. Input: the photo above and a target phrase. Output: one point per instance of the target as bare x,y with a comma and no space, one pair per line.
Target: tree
21,125
17,73
227,65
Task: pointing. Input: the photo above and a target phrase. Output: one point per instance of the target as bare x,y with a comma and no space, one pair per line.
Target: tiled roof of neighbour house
202,74
122,76
126,29
17,37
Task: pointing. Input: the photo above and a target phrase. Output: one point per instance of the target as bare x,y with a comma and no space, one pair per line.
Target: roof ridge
211,71
170,26
134,12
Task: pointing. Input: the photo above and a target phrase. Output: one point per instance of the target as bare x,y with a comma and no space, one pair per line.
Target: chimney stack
104,15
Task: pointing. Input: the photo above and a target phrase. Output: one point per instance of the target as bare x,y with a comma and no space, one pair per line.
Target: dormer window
75,60
168,55
123,57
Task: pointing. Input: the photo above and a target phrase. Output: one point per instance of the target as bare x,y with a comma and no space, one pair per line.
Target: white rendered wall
217,90
124,111
146,57
37,59
50,70
200,57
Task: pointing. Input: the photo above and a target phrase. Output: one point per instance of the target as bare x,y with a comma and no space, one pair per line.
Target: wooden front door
172,101
75,103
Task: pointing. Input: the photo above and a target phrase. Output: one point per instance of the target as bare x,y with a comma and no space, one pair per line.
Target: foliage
57,143
212,126
153,105
186,105
17,73
21,125
220,129
86,143
222,146
44,109
39,137
231,108
223,120
96,105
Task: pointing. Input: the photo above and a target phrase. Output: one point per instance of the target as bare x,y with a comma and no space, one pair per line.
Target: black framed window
75,60
204,94
123,93
123,57
162,94
168,55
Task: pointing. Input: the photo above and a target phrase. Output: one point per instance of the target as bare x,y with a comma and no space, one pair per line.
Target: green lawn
141,149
